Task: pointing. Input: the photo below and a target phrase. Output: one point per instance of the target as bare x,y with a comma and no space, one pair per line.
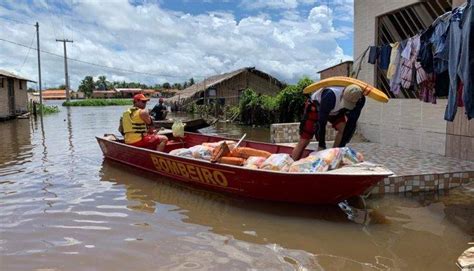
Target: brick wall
343,69
262,85
289,132
229,89
4,110
21,101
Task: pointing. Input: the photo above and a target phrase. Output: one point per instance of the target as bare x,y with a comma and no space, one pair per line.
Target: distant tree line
88,84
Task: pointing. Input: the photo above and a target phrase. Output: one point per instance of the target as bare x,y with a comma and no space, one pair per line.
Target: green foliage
287,106
99,102
47,109
87,86
257,108
291,101
102,83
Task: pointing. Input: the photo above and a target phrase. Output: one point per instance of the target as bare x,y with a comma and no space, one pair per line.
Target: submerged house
227,88
13,96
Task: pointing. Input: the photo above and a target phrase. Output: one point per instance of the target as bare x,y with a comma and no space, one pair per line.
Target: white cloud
173,45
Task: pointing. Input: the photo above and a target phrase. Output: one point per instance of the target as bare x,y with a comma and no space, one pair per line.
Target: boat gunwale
295,174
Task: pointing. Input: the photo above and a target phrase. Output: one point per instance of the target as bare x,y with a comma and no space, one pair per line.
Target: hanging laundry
384,56
440,48
425,55
394,60
396,79
466,65
427,93
408,59
453,42
373,54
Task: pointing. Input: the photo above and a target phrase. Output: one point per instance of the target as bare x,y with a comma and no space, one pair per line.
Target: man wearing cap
159,111
137,126
338,105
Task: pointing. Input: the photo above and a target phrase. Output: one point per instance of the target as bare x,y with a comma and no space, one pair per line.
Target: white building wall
407,123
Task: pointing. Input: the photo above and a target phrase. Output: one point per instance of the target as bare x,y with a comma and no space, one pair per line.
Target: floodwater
63,207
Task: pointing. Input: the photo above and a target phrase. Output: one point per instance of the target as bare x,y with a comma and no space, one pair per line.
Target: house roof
128,90
217,79
345,62
4,73
54,94
51,92
103,91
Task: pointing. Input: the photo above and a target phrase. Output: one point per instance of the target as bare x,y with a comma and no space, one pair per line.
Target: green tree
102,83
291,101
87,86
166,85
191,81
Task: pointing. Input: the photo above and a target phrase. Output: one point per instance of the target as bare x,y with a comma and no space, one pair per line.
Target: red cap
140,97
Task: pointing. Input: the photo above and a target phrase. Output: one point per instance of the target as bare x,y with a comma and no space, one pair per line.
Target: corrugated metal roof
4,73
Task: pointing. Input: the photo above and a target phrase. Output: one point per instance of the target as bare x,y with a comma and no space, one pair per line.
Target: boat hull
259,184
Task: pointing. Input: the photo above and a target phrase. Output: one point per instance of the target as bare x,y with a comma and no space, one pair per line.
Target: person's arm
145,116
351,125
328,101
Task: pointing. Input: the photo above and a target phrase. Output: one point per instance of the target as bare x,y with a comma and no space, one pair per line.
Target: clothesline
436,62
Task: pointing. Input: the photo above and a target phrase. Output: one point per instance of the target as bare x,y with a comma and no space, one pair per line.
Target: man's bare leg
161,146
299,148
340,131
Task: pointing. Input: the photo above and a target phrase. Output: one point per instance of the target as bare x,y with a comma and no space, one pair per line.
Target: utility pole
39,67
65,66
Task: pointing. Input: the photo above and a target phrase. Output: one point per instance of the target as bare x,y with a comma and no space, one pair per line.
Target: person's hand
151,130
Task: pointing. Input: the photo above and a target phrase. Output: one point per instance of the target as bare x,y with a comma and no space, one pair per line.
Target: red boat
309,188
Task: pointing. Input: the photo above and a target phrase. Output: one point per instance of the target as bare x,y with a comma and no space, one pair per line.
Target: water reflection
244,219
15,143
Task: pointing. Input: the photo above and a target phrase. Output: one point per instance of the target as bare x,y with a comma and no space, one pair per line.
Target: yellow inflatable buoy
367,89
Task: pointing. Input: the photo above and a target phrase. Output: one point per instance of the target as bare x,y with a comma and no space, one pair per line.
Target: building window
21,85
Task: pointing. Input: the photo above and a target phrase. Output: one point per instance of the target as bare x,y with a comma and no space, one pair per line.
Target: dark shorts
310,127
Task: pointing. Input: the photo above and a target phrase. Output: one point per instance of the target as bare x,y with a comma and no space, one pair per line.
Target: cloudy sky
157,41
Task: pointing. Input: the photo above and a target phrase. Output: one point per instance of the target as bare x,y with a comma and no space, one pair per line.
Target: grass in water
48,109
99,102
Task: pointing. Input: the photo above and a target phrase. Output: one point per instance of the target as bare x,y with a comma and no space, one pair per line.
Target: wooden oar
242,138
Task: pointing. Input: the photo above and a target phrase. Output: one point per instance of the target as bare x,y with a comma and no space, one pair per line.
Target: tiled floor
408,162
414,170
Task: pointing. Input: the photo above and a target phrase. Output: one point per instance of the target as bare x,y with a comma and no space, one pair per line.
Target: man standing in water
159,111
338,105
137,126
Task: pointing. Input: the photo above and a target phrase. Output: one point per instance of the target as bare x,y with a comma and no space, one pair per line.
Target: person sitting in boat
338,105
137,126
159,111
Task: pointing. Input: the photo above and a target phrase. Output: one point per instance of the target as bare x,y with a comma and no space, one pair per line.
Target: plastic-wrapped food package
332,157
351,156
309,164
278,162
201,152
254,162
230,144
245,152
183,152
